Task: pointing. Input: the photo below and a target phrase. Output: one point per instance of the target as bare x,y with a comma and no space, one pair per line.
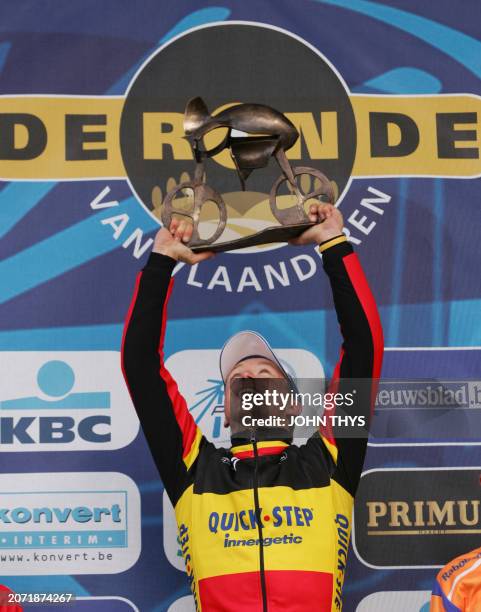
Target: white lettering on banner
248,279
119,223
139,248
97,202
362,223
220,278
191,278
303,275
302,266
282,277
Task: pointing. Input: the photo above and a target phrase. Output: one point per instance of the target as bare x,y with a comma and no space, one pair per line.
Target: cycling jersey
458,585
288,551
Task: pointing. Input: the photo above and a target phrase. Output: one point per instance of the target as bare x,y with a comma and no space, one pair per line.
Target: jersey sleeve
171,433
457,587
360,355
440,602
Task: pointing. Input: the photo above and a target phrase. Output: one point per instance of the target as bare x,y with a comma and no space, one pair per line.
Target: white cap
243,345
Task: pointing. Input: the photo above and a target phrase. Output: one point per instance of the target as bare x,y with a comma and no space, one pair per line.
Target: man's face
254,367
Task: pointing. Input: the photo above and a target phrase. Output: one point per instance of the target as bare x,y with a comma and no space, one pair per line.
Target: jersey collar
266,447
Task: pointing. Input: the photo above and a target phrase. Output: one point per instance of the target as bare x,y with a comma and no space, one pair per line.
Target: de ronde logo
139,137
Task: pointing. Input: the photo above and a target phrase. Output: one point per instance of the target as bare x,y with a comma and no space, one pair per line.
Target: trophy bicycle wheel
194,196
288,202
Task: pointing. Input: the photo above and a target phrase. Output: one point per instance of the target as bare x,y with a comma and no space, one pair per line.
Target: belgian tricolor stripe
191,434
246,451
368,303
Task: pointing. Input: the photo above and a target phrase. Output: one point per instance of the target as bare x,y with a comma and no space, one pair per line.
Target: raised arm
171,433
360,326
361,351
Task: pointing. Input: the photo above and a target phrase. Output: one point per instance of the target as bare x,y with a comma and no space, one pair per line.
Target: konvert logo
414,517
68,523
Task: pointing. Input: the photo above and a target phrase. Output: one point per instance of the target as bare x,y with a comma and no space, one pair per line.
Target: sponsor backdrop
386,98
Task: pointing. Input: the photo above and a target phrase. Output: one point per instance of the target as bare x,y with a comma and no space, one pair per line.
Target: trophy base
278,233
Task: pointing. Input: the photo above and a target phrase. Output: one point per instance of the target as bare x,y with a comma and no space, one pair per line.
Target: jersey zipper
259,525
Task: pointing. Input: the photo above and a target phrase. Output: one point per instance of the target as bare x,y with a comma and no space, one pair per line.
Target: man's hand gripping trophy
173,241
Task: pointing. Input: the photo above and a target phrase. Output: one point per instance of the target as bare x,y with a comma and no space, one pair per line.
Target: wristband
327,244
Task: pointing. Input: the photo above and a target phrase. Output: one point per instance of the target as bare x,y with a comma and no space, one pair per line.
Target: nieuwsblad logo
434,511
75,400
68,523
139,136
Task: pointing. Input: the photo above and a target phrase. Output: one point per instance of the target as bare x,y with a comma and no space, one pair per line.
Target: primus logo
278,516
422,517
423,507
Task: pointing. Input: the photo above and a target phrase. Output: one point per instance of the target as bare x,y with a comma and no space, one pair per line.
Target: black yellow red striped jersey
305,493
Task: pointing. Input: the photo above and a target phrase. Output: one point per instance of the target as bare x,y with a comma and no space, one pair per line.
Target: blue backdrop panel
66,283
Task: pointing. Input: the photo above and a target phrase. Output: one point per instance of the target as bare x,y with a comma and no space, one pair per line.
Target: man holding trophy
263,525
